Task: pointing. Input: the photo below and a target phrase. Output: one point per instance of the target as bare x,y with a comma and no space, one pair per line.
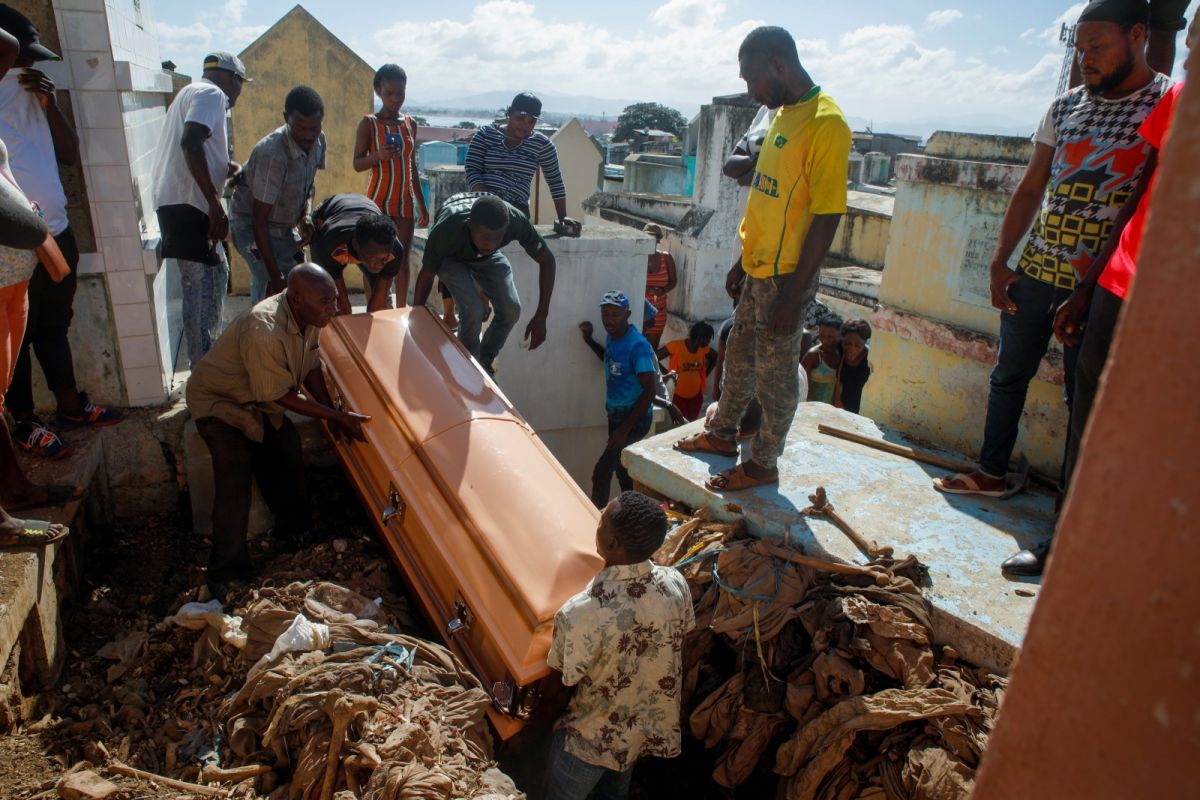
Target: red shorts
690,407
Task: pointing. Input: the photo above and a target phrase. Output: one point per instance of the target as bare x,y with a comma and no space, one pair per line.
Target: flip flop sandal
56,495
737,480
37,533
702,443
972,487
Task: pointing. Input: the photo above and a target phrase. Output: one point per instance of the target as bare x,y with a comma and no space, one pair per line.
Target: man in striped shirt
503,159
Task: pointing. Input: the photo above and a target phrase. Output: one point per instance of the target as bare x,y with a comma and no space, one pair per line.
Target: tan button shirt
259,358
621,641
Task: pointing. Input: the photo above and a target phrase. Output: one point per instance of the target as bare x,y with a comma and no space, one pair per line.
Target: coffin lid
516,502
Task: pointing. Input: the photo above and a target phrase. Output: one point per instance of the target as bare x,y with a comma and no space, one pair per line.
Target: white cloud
942,18
685,52
689,53
234,10
884,72
1051,32
681,14
187,45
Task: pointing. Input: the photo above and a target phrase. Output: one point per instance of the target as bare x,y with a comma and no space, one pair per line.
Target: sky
985,65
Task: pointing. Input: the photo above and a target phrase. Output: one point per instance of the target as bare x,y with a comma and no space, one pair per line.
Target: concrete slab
889,499
871,202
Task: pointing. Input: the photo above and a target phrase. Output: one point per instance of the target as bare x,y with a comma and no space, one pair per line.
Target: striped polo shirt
508,172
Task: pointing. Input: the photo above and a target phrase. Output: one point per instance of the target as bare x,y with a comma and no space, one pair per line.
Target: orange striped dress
393,186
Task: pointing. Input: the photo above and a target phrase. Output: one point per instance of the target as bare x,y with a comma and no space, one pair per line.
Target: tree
466,124
420,121
648,115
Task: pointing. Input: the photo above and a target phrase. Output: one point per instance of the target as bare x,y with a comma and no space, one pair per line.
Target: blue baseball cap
614,298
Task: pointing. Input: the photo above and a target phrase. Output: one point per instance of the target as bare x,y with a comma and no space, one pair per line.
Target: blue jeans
1103,316
493,275
283,247
571,778
203,287
610,460
1024,339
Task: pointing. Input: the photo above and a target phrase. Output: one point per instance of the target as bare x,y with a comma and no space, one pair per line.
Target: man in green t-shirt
463,251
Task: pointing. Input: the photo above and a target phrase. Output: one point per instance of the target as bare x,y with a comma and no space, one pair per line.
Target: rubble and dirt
314,682
823,679
803,679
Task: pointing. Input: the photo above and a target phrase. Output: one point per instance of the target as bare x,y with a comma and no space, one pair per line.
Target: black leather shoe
1027,562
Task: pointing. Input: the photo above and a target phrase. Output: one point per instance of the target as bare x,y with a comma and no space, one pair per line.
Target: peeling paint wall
651,172
942,396
862,238
935,330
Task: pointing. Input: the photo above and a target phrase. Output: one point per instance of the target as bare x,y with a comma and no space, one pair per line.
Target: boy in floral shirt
619,643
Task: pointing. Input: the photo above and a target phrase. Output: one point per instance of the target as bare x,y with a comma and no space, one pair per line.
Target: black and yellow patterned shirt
1098,157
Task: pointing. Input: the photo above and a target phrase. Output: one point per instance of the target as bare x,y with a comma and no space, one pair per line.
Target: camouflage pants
760,364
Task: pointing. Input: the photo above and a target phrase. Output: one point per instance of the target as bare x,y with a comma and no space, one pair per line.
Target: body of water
440,121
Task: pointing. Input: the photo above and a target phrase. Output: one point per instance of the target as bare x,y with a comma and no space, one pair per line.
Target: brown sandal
735,479
703,443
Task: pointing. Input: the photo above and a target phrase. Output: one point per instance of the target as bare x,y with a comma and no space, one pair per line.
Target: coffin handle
461,622
395,506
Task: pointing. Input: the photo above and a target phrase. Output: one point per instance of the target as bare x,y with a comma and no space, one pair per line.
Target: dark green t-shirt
450,238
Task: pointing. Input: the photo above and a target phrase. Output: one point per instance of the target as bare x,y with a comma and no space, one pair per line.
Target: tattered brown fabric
363,720
758,593
749,737
838,660
815,749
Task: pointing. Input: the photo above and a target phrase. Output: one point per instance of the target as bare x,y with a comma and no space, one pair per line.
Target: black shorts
184,231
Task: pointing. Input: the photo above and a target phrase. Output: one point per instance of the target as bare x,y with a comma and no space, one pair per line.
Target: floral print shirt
620,641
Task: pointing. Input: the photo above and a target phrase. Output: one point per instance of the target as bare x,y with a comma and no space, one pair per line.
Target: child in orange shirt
690,359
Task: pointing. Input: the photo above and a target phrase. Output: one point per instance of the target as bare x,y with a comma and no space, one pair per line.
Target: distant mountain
552,102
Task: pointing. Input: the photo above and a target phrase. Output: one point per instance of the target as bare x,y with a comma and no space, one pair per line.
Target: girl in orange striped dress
660,279
386,145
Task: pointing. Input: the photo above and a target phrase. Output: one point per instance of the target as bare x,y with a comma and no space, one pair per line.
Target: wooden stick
899,450
183,786
921,455
233,774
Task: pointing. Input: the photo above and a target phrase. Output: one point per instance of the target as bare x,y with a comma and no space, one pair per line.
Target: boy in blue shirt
629,370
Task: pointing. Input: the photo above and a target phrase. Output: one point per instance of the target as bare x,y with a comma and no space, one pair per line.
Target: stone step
36,582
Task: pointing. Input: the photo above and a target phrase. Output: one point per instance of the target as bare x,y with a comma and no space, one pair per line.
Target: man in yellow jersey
797,196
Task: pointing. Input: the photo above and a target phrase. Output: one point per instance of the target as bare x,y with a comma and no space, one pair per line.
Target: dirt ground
136,575
139,574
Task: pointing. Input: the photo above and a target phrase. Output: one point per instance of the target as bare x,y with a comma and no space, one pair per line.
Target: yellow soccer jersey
802,171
